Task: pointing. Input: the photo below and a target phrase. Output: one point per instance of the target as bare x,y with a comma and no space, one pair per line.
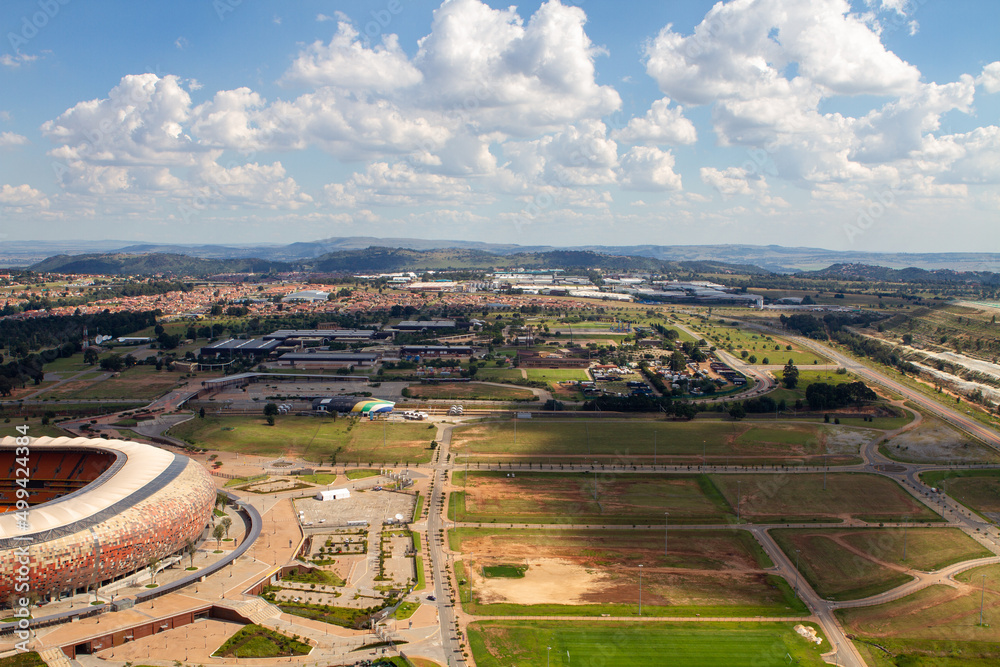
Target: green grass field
759,345
806,378
800,497
636,441
504,571
979,490
489,374
312,438
570,498
527,643
934,627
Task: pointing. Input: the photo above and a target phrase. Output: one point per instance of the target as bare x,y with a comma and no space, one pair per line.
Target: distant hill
868,273
777,259
154,264
376,260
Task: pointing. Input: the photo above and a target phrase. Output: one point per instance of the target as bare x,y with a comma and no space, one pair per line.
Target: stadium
365,406
100,510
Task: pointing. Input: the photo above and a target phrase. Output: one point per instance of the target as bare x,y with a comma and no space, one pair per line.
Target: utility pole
982,597
904,541
739,499
640,591
797,570
666,528
654,448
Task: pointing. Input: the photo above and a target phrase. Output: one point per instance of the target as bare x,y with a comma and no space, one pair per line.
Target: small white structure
333,494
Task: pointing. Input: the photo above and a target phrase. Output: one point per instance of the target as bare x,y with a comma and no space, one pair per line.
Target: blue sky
870,125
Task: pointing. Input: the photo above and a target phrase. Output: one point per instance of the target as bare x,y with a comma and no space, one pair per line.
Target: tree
677,361
790,376
201,413
154,562
737,411
218,533
270,409
191,549
226,523
90,356
270,420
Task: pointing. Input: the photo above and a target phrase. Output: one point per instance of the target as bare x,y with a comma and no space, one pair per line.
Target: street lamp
666,527
549,651
797,569
739,499
640,589
982,597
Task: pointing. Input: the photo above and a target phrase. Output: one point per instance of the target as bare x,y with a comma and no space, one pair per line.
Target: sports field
469,391
593,572
610,644
935,627
316,439
586,498
800,497
979,490
638,441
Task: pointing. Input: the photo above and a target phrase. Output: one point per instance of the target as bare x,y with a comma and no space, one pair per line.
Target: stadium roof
137,467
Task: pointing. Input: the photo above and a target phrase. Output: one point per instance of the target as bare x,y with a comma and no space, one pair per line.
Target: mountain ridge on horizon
776,258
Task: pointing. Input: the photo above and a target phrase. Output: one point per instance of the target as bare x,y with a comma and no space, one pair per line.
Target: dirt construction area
934,441
590,567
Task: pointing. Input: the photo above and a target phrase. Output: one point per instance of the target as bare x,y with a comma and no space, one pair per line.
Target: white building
333,494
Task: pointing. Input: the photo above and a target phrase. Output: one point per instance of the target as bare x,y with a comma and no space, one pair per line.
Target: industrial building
327,359
236,347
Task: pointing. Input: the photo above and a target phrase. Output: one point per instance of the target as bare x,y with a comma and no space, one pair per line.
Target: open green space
139,382
26,659
760,345
979,490
648,441
405,610
807,377
321,577
586,498
528,643
324,478
504,571
489,374
469,391
937,626
801,497
361,473
312,438
256,641
596,572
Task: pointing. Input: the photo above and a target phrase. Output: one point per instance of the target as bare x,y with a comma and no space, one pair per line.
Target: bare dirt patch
546,581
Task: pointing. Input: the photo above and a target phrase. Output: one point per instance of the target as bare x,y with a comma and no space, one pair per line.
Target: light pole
640,590
654,448
739,499
666,527
547,653
904,541
797,570
982,597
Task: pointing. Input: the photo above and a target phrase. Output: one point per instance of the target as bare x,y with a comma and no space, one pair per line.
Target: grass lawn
526,643
806,378
405,610
636,441
312,438
979,490
795,498
934,627
570,498
27,659
711,573
469,391
324,478
255,641
551,375
35,428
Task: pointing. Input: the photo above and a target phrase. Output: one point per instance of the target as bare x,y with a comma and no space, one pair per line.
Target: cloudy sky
868,125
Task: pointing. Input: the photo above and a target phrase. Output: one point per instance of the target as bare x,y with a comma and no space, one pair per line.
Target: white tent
333,494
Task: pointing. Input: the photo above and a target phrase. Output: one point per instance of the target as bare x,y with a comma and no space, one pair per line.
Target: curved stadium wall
134,503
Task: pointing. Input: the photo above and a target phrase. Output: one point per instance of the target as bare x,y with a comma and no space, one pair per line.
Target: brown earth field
570,498
591,569
801,497
468,390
